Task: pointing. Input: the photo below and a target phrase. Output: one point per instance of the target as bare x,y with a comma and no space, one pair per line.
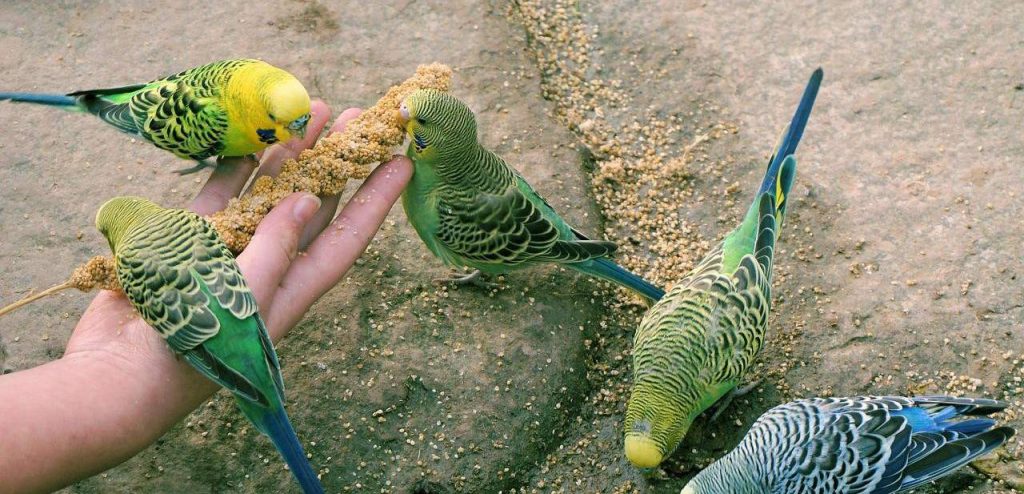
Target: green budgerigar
185,283
473,209
693,347
224,108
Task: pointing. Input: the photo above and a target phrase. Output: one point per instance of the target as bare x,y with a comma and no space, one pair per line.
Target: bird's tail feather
59,100
793,132
276,426
953,455
972,426
605,268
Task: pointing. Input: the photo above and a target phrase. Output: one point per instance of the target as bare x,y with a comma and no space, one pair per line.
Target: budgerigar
185,283
226,108
473,209
693,347
860,445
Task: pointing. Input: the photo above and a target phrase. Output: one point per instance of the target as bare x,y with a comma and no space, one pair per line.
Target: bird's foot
475,278
200,165
735,393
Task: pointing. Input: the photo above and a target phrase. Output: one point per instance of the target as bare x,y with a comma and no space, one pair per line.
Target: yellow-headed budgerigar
185,283
859,445
226,108
693,347
473,209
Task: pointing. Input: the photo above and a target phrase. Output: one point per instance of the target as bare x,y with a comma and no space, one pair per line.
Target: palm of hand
111,329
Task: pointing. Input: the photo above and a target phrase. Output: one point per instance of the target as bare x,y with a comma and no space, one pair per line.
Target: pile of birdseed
640,181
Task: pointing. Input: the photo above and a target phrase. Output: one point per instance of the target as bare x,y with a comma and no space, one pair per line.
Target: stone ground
898,270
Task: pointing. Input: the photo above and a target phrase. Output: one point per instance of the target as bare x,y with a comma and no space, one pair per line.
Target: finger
275,156
330,203
343,120
331,255
320,220
224,183
265,261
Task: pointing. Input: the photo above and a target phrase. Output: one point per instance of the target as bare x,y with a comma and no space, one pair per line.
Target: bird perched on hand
226,108
473,209
861,445
693,347
183,280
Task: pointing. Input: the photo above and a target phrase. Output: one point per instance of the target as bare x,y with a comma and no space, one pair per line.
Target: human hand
134,387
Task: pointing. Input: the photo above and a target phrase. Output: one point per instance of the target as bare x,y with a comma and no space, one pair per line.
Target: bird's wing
509,228
179,116
713,320
112,105
852,445
154,266
185,284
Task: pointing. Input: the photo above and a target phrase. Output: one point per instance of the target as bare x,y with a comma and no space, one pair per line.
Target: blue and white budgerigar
859,445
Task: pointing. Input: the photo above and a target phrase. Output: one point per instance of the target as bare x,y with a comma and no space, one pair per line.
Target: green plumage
185,283
695,345
181,113
473,209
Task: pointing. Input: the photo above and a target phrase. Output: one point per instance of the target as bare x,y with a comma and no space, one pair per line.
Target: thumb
276,242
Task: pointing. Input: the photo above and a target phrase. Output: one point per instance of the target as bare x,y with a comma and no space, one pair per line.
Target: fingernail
306,207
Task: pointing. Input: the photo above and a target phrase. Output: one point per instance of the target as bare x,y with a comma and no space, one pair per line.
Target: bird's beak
302,132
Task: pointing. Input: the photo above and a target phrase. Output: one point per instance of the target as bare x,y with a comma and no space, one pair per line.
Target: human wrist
149,389
70,424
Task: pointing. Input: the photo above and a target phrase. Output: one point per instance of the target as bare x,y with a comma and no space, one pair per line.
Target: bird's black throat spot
268,136
419,142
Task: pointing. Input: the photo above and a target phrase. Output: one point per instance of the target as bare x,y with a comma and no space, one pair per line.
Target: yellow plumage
260,96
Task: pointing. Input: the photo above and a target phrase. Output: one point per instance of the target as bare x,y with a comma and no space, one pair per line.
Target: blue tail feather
607,269
41,99
971,427
276,426
795,130
919,420
943,420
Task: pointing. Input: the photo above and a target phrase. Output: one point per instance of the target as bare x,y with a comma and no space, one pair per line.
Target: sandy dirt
899,269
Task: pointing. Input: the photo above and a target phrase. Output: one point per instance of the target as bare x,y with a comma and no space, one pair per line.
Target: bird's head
286,107
438,124
655,425
118,215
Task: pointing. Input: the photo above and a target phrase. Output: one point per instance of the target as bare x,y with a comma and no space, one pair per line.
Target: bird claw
735,393
475,278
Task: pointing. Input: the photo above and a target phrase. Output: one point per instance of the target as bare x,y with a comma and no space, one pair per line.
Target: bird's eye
421,120
299,123
272,117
